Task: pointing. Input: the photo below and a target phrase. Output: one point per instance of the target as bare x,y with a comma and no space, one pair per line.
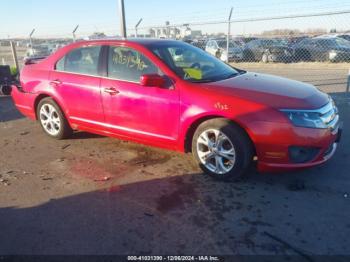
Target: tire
5,90
52,120
212,160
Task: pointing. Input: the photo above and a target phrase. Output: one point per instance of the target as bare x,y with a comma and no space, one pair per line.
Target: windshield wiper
232,75
203,81
217,79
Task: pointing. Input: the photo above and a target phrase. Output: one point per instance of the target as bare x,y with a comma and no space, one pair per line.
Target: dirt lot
97,195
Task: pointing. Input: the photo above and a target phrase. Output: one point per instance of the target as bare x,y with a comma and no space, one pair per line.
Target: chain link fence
313,48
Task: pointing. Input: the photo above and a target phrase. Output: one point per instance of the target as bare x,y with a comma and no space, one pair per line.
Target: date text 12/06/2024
173,258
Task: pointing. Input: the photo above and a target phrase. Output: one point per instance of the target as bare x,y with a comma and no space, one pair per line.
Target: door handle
111,90
55,82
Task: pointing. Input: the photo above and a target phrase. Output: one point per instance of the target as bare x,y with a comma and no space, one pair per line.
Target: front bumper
235,58
281,58
273,148
341,57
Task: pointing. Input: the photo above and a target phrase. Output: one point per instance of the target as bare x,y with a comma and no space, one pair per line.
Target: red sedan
173,95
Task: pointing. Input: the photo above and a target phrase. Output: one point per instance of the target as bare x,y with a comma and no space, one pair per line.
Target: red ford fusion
172,95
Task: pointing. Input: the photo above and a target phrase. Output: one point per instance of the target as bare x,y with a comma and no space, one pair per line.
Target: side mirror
152,80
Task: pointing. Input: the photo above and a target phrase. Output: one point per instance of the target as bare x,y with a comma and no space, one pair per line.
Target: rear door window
84,60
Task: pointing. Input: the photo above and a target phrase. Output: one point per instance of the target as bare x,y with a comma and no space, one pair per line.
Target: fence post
122,19
348,84
136,26
14,55
228,35
74,31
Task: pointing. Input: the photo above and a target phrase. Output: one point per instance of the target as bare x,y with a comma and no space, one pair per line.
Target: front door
136,111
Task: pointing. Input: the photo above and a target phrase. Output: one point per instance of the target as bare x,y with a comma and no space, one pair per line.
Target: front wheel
222,149
52,119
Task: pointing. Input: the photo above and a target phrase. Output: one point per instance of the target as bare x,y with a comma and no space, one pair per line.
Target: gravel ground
97,195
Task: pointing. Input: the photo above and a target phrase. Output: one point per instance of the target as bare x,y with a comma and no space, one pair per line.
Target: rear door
76,82
314,50
133,110
322,50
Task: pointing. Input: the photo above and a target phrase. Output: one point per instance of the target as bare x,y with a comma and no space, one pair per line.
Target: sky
58,18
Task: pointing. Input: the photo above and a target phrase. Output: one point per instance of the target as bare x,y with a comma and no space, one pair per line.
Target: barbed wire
258,19
85,30
205,17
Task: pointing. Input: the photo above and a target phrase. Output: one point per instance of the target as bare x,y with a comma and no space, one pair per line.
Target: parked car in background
200,43
333,49
6,80
346,37
239,41
218,48
296,39
246,40
267,50
42,50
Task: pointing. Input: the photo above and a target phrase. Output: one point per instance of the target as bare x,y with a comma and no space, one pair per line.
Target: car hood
272,91
235,50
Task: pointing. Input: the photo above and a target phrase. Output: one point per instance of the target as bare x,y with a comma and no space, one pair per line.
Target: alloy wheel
216,151
50,119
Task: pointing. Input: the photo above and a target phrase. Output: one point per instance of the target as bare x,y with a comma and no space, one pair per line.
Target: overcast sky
58,18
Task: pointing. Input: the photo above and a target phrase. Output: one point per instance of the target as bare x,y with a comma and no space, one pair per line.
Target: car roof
325,37
218,39
139,41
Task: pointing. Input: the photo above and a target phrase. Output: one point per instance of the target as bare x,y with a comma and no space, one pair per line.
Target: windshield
272,42
223,44
193,64
336,42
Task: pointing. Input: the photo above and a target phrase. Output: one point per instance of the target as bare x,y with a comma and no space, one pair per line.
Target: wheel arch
195,124
41,97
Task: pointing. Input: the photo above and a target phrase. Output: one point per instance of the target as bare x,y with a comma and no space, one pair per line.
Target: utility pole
73,33
30,38
136,26
167,24
348,84
228,35
122,19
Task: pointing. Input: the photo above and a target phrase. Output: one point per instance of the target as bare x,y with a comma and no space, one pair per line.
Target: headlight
305,119
332,54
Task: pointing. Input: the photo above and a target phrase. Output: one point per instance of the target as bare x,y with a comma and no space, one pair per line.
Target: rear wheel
222,149
52,119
